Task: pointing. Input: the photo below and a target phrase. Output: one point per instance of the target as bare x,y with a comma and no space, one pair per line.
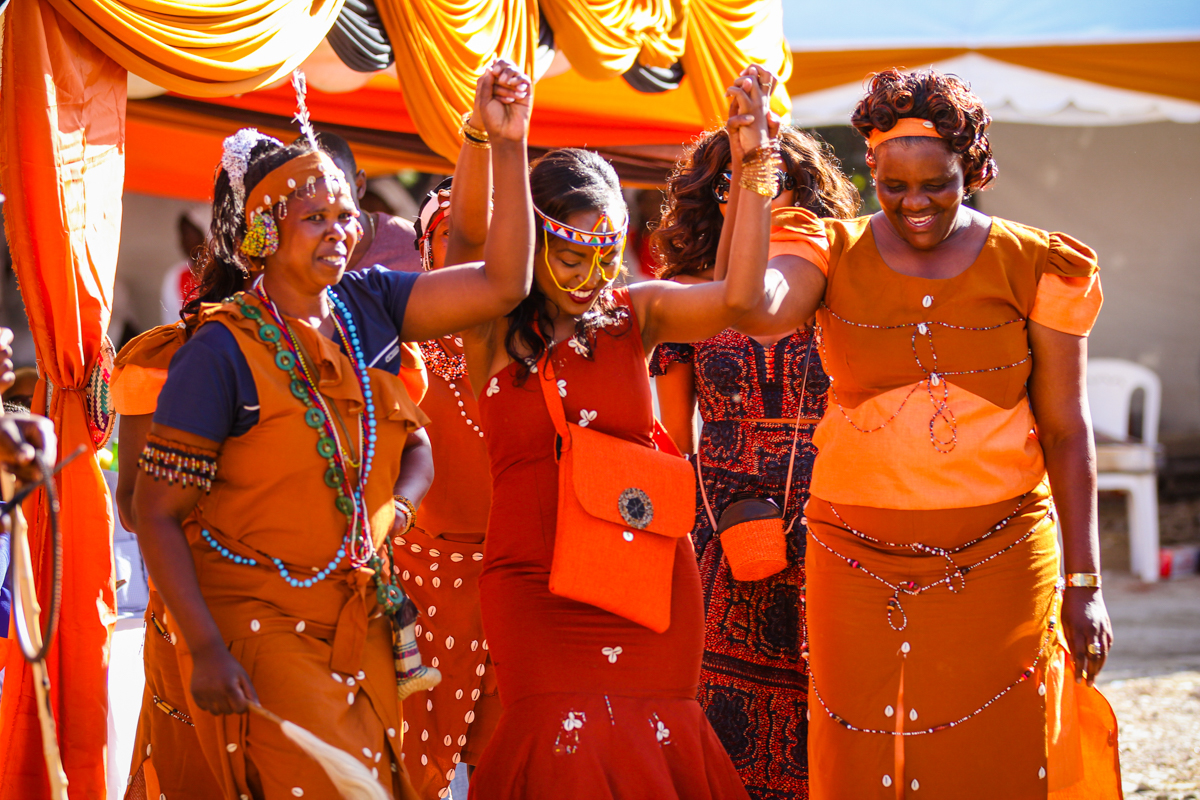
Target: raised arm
686,313
471,193
459,298
1060,408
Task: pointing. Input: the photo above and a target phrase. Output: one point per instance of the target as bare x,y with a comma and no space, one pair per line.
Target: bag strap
787,493
554,403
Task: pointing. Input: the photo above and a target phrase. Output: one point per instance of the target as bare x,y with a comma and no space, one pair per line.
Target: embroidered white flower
574,721
586,417
579,347
493,387
662,732
562,388
612,653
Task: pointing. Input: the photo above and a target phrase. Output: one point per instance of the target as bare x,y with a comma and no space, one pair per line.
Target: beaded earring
262,236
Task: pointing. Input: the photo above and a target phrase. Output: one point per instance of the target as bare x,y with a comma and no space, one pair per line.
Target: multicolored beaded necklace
450,367
357,543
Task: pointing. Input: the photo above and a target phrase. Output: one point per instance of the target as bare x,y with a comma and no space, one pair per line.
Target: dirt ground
1152,680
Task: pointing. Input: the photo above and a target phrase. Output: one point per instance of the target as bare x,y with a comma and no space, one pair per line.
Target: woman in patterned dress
753,679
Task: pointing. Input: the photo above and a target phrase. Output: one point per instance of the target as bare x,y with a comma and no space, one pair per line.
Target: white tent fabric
1017,94
872,25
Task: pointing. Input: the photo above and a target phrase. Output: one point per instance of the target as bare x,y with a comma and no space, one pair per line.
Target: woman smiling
943,640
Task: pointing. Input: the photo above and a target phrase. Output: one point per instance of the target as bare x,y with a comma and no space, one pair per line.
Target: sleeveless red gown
595,706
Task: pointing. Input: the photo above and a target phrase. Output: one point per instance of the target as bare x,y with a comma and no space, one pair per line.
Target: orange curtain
205,49
441,47
603,38
62,107
723,37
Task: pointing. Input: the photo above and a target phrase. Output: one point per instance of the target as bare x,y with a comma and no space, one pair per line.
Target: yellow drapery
204,49
723,37
442,46
603,38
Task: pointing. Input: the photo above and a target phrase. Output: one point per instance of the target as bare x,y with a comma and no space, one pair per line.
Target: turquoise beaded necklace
357,543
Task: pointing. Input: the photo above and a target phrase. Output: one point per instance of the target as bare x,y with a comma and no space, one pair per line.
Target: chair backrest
1111,383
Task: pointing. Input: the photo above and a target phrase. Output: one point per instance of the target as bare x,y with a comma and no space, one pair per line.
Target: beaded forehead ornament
602,237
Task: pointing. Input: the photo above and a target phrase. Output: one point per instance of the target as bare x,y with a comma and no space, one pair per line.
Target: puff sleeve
1068,294
799,232
140,369
669,353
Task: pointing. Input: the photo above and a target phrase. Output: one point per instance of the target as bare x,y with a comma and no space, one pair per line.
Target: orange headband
908,126
305,170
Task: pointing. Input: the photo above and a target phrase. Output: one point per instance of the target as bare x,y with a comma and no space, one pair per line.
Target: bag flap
628,484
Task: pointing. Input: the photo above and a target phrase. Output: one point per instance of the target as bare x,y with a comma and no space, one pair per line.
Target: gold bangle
410,512
477,143
1090,580
469,131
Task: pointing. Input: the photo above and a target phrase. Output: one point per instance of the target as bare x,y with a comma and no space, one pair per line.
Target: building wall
1132,193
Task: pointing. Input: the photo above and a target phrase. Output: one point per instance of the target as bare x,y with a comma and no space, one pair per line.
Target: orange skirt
931,683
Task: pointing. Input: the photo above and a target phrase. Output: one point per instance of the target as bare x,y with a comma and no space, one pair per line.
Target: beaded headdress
602,237
269,195
432,211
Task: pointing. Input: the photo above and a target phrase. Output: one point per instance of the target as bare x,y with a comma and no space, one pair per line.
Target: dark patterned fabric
753,681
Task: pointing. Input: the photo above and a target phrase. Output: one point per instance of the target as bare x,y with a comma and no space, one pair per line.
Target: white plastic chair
1125,464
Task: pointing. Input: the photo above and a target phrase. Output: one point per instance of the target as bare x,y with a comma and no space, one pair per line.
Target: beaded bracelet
163,459
410,512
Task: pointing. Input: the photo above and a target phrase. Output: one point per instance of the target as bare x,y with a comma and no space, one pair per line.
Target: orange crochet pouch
621,509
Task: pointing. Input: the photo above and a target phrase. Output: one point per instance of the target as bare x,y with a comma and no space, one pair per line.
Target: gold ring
1094,649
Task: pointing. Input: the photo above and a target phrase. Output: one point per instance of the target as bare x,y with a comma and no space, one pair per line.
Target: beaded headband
593,238
908,126
301,172
235,158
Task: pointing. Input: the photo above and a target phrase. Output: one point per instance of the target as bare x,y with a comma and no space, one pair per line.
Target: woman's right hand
503,101
219,683
749,111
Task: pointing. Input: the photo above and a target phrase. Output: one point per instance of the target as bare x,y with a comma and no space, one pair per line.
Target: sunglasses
721,185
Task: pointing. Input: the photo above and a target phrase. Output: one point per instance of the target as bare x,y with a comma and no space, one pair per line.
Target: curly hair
220,264
946,101
563,182
686,238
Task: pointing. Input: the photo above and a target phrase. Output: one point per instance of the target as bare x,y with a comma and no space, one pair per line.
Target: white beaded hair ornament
235,157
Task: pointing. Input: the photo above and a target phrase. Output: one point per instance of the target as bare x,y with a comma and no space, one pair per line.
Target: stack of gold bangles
473,136
760,170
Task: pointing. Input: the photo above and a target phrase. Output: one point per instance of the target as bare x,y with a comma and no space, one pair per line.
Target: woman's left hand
748,123
1088,630
504,99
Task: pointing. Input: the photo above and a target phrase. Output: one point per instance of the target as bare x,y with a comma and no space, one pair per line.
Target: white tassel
347,773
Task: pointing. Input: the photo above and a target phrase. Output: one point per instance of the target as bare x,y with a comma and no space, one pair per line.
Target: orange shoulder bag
621,509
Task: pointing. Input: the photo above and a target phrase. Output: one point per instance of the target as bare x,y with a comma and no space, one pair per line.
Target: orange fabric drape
205,49
62,107
603,38
441,47
723,37
1171,69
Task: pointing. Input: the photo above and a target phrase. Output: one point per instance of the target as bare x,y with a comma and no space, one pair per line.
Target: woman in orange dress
946,657
441,557
280,441
596,705
753,680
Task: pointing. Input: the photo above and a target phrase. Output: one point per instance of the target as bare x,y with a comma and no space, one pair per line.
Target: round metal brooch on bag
636,508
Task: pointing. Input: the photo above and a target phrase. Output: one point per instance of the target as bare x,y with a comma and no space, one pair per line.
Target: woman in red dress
595,705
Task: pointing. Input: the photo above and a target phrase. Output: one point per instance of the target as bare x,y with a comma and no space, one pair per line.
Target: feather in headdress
333,176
